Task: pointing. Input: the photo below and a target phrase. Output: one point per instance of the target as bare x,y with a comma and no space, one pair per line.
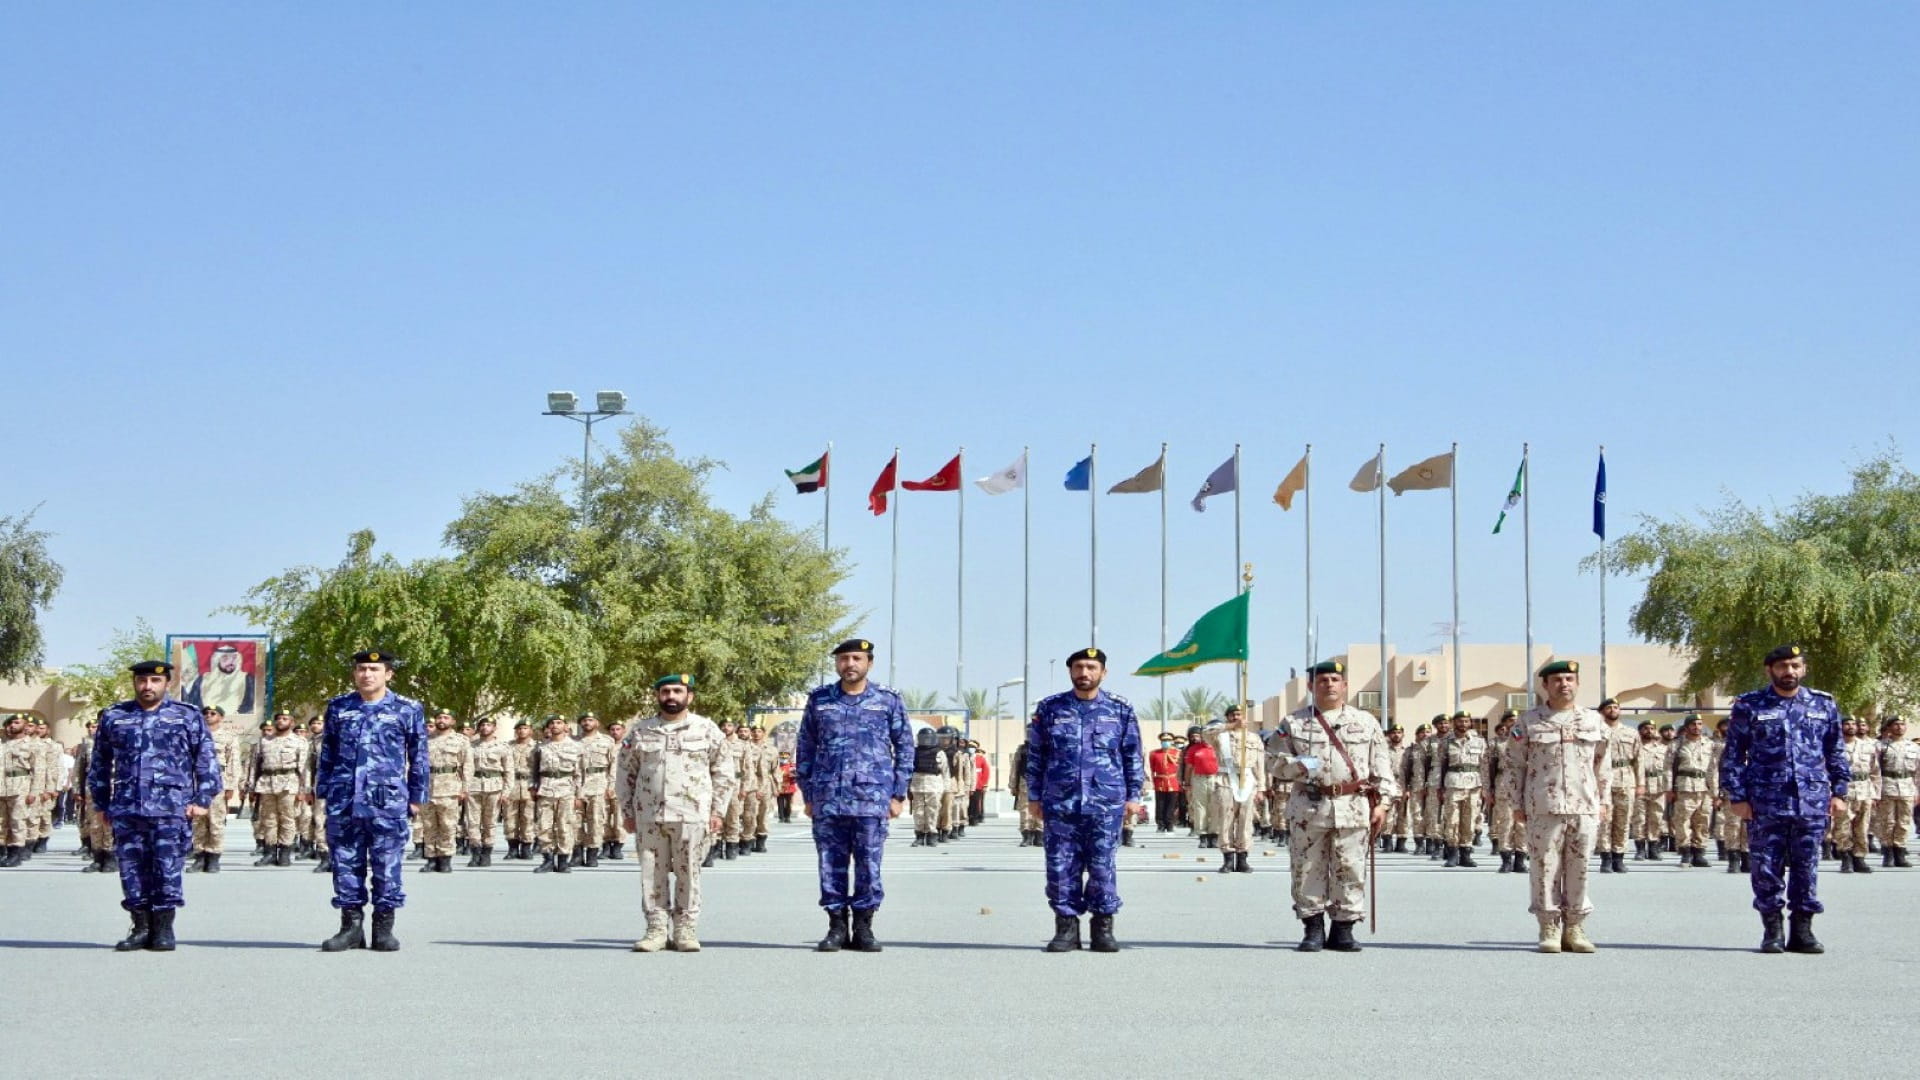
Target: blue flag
1080,477
1600,498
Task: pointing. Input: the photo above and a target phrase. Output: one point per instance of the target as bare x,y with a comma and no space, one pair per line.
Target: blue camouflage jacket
373,756
853,754
1083,757
1785,755
152,764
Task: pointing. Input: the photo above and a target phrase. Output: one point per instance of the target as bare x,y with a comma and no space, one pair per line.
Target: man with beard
373,774
599,756
226,685
1898,759
153,773
521,816
210,829
450,763
1084,775
279,783
1650,802
492,776
675,776
22,776
1559,782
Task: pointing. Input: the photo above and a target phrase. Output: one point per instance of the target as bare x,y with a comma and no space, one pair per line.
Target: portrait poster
233,671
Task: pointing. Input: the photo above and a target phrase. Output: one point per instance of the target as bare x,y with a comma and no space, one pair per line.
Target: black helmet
924,737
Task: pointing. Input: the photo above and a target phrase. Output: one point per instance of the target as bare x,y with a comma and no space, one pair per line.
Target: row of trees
1194,705
28,579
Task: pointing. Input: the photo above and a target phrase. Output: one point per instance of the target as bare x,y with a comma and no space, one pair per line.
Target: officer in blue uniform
372,774
1084,774
852,760
153,771
1784,771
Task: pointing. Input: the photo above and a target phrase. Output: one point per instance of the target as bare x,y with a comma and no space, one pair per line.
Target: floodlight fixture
612,402
562,402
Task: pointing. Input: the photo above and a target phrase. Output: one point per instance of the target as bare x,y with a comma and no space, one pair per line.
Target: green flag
1219,637
1513,497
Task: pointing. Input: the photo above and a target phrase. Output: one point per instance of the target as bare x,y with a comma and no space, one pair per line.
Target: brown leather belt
1348,787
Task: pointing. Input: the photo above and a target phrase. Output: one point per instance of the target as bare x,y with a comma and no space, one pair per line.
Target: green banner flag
1219,637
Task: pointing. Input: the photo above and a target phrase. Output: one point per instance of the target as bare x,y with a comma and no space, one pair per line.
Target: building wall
66,717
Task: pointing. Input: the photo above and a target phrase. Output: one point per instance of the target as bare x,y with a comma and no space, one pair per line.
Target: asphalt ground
505,973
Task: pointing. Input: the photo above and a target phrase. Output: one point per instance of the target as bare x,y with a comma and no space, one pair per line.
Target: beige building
39,698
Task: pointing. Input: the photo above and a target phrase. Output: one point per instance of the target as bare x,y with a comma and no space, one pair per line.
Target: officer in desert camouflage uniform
522,822
675,776
614,839
210,829
486,792
282,776
450,761
1625,785
1560,786
559,770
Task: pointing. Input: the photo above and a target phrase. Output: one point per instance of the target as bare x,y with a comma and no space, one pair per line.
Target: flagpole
1307,491
1241,674
1386,681
960,592
1163,582
1026,585
826,518
1526,559
893,602
1454,470
1603,601
1093,544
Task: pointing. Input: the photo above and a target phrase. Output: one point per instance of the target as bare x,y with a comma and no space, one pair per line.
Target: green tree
1199,705
1838,574
1156,712
107,682
28,579
980,705
920,700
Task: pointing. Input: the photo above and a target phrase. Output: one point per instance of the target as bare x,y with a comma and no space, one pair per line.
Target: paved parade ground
504,973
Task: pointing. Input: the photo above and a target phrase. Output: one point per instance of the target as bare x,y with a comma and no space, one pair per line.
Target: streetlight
999,722
606,403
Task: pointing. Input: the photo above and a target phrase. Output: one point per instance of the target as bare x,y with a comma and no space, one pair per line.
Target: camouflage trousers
559,824
1649,817
670,854
276,817
210,829
437,823
152,854
1276,806
1692,812
1029,821
317,825
367,848
616,833
1082,876
730,822
1508,834
1200,803
767,801
594,815
1399,819
483,809
850,843
1232,820
1436,812
1786,863
1853,826
949,816
752,806
14,814
1619,819
1460,816
926,810
1733,832
1557,850
520,821
1329,872
1894,817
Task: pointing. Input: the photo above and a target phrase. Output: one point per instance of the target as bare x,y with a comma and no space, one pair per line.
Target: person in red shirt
977,799
787,787
1164,766
1200,768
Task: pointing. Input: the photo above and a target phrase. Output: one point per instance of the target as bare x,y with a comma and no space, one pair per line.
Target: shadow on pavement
56,944
560,945
1262,945
193,944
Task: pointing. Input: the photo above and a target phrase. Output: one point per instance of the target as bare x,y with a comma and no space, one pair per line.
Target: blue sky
276,274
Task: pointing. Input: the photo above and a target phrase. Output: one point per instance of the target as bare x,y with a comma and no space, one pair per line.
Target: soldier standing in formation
373,775
1854,820
493,775
1163,767
599,756
153,773
522,821
450,763
852,761
727,840
93,840
1560,782
1084,774
1509,836
558,770
1784,772
923,788
317,818
1398,828
210,829
753,822
281,777
1238,791
675,778
22,778
1689,784
1336,755
1731,832
1201,767
1017,790
1650,803
1624,787
1899,758
615,838
1460,784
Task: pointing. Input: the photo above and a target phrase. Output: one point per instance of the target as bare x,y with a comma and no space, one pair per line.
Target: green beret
1327,667
1560,667
1784,652
553,718
673,680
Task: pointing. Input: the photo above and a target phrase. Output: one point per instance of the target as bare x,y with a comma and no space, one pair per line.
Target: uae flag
809,478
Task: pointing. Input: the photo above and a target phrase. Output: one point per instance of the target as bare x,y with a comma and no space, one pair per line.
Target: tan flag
1148,479
1429,475
1294,484
1368,478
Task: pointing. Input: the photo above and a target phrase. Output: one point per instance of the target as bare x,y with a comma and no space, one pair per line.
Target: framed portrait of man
233,671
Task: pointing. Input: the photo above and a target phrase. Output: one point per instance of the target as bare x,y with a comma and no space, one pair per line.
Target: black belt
1463,768
487,773
277,772
1884,775
1694,773
557,775
442,770
11,773
1627,764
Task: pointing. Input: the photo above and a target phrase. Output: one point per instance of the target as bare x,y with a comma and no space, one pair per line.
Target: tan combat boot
655,939
1574,939
1549,935
684,939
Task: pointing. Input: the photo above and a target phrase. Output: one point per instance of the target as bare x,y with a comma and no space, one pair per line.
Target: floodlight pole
588,419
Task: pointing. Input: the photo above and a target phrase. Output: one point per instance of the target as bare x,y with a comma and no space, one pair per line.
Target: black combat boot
1720,849
836,938
1399,843
420,850
863,932
1466,859
1506,862
727,850
161,936
197,863
460,846
446,864
1653,851
1316,935
473,855
286,855
1771,938
593,856
383,939
1900,858
1860,864
1126,837
268,857
98,864
1452,857
1846,864
1101,929
560,864
1341,940
1800,937
1066,934
486,855
1519,862
1226,863
213,862
1240,863
140,935
546,862
1700,858
324,866
707,862
1886,858
1619,862
1733,862
1437,851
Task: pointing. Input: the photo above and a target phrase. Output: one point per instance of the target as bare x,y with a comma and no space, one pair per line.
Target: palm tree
979,705
1199,705
1159,713
920,700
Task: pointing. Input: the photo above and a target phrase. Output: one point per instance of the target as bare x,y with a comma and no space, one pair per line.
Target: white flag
1368,478
1008,479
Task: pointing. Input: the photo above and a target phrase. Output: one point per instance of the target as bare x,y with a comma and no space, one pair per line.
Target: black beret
1194,730
518,724
152,667
1089,653
1608,701
1327,667
215,710
374,656
854,645
1784,652
1560,667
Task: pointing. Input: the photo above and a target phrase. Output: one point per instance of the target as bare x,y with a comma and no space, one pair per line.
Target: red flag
947,479
877,498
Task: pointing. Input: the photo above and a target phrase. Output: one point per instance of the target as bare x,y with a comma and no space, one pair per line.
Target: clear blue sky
274,274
